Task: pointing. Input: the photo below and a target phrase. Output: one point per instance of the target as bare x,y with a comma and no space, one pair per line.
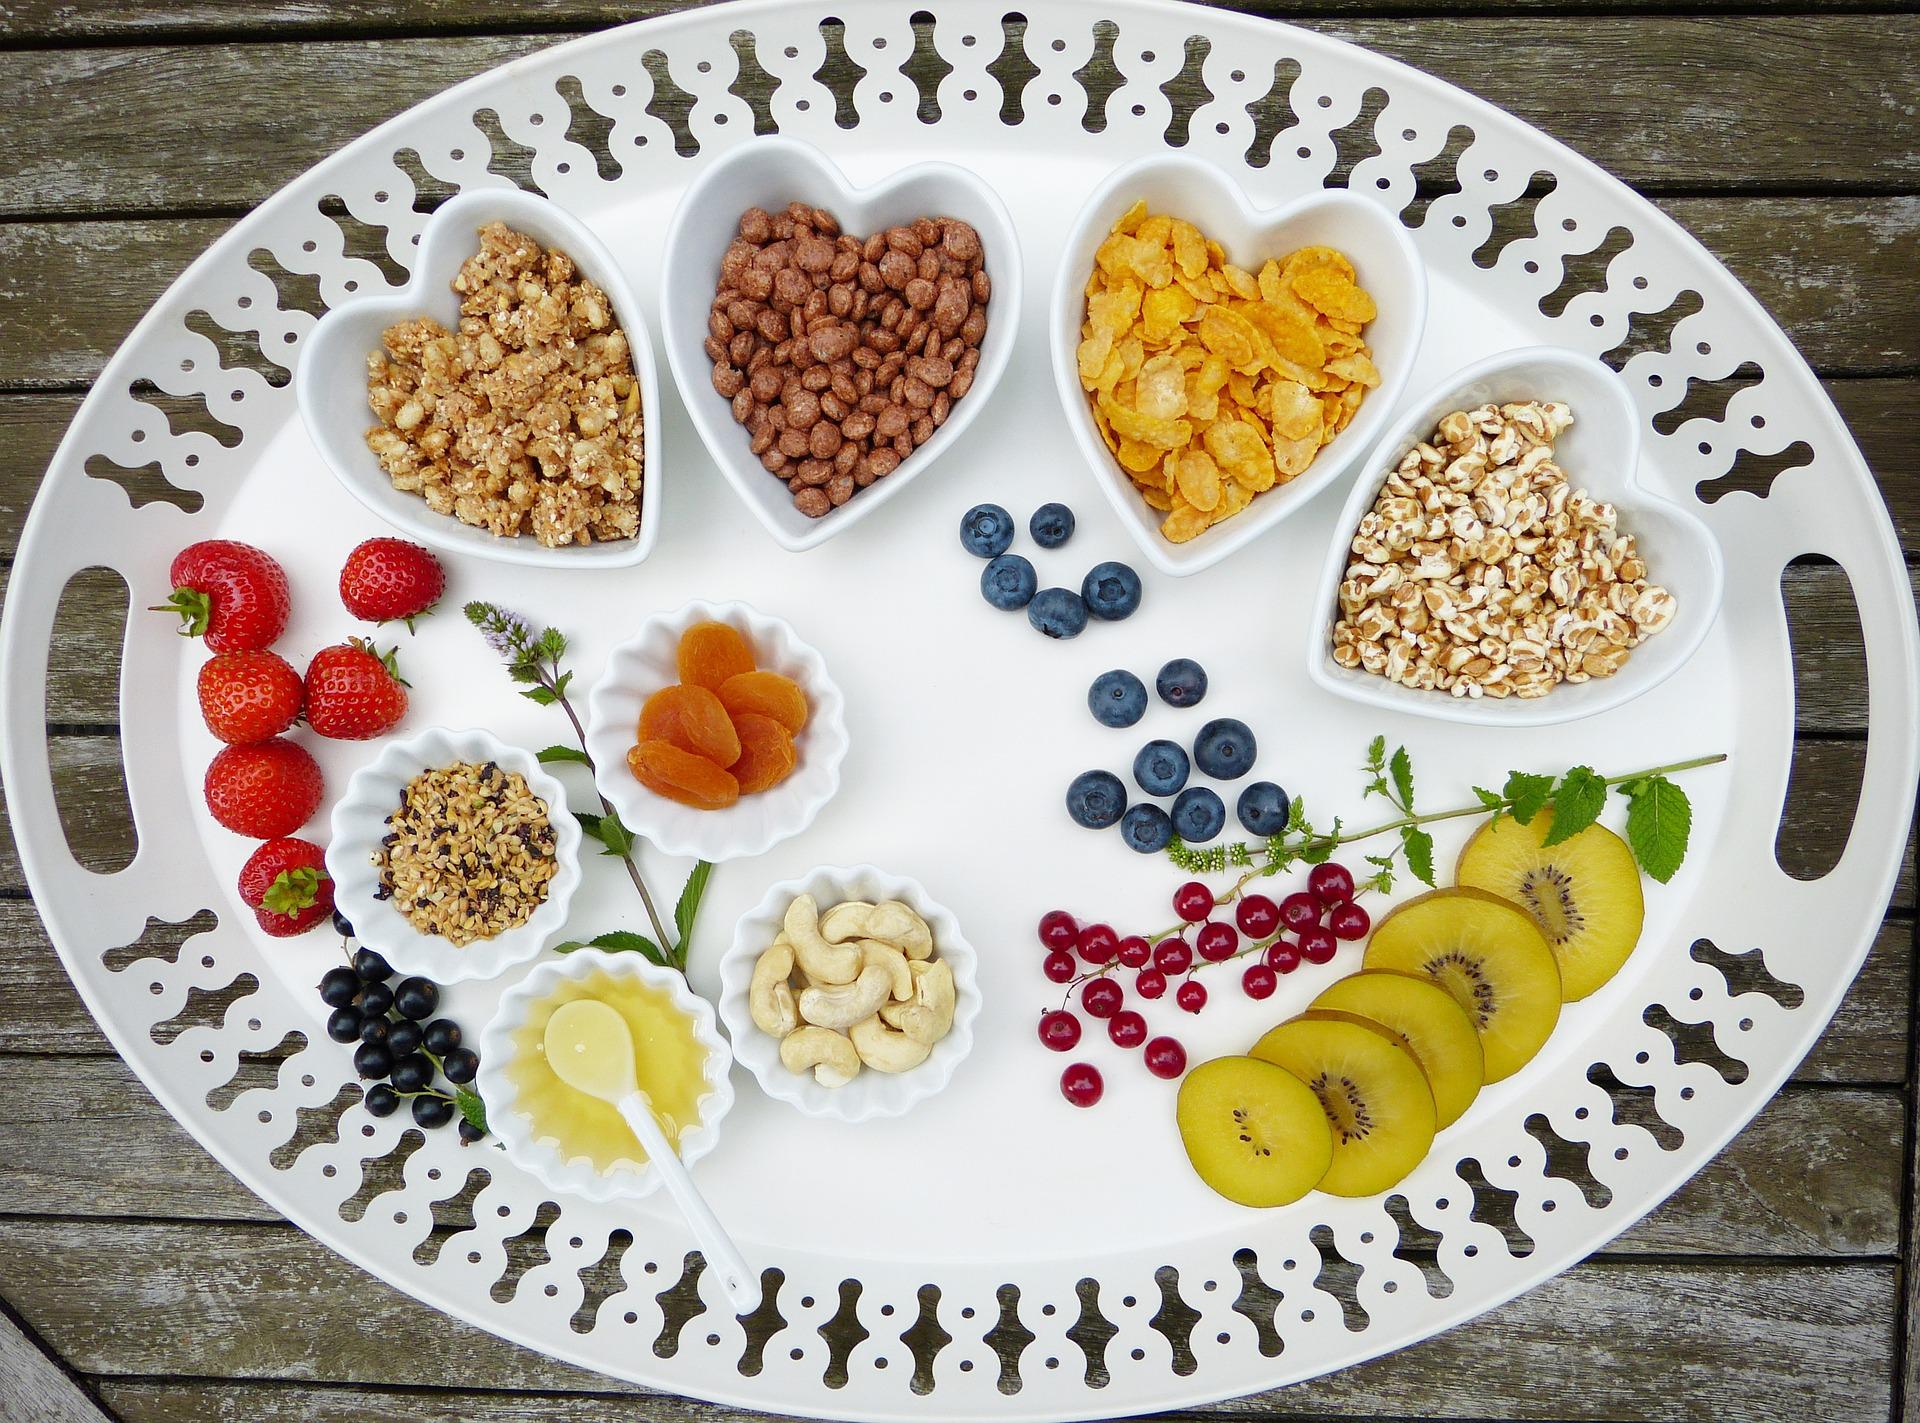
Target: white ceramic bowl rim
1403,308
360,820
807,173
1700,565
872,1094
330,375
540,1157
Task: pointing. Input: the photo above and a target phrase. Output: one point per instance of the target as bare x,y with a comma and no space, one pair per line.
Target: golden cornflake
1211,383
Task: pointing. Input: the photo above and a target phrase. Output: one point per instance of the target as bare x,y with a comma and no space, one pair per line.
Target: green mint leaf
1659,820
626,941
590,826
1320,849
1577,803
615,836
471,1107
560,685
1402,768
523,672
1527,794
540,696
547,756
1419,847
688,908
1377,754
1489,799
293,891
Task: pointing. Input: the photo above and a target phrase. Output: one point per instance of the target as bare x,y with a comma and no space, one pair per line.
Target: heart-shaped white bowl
540,1155
771,173
648,661
1384,262
330,379
1600,453
871,1094
360,820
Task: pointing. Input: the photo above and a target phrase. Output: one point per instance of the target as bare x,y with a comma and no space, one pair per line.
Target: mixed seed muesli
469,853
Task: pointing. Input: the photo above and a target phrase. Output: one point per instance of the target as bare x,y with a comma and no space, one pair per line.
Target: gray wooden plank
1608,1339
38,1390
1817,1173
227,124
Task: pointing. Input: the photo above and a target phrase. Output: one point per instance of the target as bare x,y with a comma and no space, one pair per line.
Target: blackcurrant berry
441,1037
432,1112
375,1030
338,985
460,1065
372,1060
371,967
403,1037
381,1100
343,1025
375,999
413,1073
470,1133
416,998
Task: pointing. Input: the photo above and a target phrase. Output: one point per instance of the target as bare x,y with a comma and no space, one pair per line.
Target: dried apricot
767,693
691,718
712,652
766,753
665,769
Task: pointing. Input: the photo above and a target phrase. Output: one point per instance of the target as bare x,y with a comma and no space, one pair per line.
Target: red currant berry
1098,942
1173,956
1193,901
1349,921
1127,1028
1058,929
1059,1030
1191,996
1150,983
1216,941
1317,943
1283,957
1102,997
1080,1084
1330,883
1257,916
1299,910
1133,952
1059,966
1165,1057
1259,981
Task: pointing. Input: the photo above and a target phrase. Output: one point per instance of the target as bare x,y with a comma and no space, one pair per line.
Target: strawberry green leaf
195,610
1659,820
1526,794
293,891
1577,803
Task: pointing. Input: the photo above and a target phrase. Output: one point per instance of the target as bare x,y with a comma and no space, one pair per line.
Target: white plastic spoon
590,1048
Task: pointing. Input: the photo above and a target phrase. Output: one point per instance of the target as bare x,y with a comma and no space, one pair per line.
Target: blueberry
1263,808
1160,768
375,999
986,530
1111,591
344,1024
432,1112
403,1037
416,998
460,1065
1198,815
372,1060
1051,525
413,1073
441,1037
381,1101
338,986
1008,583
1224,749
371,967
1096,799
1117,698
1057,613
1146,828
1181,683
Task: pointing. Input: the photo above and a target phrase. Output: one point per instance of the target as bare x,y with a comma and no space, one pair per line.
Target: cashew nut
832,1056
823,962
929,1017
844,921
873,953
769,997
843,1005
889,921
885,1050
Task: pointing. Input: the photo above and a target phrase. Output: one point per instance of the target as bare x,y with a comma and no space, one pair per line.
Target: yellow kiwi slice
1490,955
1372,1091
1585,892
1435,1028
1253,1131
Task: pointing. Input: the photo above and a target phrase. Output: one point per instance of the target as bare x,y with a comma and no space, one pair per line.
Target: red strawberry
249,696
286,885
231,592
384,579
264,791
353,691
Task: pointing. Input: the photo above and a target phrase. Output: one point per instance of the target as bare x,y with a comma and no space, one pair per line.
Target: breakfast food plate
993,1252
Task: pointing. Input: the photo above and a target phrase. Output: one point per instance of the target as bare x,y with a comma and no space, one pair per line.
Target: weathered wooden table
138,1281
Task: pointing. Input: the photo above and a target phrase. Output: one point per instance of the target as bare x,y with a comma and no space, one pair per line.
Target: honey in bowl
669,1063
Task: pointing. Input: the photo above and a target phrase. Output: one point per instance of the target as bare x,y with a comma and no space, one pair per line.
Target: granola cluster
468,854
1481,572
525,420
